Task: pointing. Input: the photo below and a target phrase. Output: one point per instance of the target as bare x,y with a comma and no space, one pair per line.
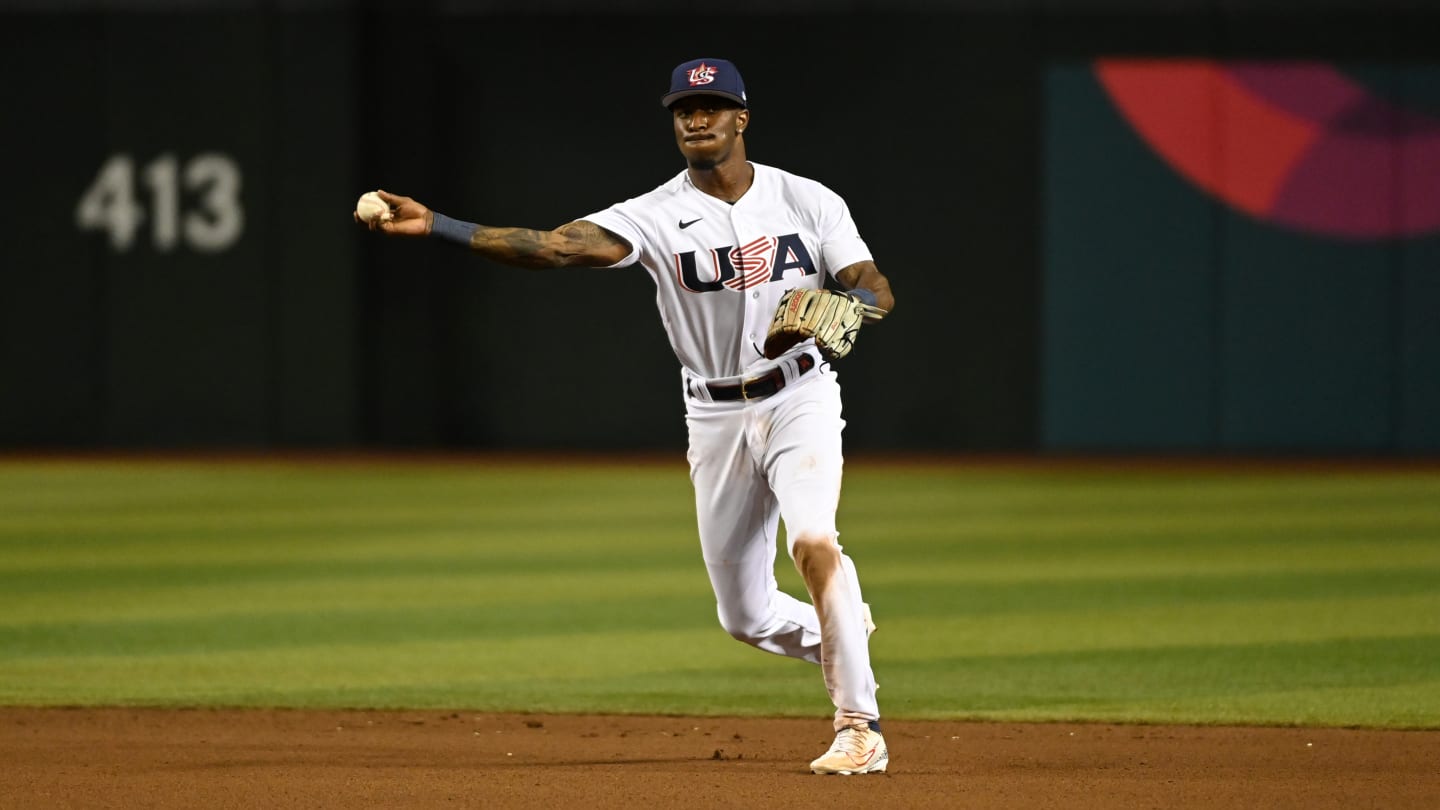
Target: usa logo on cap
709,77
704,74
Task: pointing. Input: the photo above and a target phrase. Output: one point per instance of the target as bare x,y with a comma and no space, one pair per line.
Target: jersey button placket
743,236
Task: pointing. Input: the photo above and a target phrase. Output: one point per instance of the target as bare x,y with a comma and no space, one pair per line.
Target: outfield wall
181,271
1253,265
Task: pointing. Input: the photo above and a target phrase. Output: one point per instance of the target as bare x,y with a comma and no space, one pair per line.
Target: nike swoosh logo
683,224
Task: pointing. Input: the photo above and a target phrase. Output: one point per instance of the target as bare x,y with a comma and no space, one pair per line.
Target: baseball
371,208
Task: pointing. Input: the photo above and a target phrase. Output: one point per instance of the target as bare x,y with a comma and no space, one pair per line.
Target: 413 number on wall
195,203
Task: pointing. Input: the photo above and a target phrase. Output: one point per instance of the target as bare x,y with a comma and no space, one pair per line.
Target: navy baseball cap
706,77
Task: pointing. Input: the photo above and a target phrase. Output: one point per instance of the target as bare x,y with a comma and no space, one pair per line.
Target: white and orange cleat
857,749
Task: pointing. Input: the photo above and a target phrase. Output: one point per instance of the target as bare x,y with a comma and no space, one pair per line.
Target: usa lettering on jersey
763,260
788,232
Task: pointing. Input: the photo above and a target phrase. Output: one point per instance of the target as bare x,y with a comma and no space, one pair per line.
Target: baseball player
723,241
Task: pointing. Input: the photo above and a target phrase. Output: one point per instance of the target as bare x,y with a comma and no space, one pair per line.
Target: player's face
706,128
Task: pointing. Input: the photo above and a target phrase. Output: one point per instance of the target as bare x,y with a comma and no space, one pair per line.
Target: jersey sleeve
840,242
619,220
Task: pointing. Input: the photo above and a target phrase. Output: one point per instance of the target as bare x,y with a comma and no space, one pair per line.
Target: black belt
765,385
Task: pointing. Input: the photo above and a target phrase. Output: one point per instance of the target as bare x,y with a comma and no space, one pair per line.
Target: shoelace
850,741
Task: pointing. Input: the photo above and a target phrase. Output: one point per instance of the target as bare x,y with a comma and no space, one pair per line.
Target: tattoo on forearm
522,246
575,243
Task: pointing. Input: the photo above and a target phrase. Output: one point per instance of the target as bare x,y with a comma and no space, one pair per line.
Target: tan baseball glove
832,318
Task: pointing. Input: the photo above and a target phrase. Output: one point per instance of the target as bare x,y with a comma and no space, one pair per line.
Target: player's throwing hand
407,217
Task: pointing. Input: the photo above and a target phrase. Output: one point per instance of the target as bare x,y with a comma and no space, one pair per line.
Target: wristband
860,294
452,229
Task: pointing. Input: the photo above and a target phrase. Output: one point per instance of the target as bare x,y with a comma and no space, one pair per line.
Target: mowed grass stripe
1064,595
1027,632
926,590
501,590
460,608
159,575
1025,593
1151,560
477,671
1364,681
268,629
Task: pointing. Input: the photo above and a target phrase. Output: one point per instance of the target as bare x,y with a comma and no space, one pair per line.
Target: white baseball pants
753,463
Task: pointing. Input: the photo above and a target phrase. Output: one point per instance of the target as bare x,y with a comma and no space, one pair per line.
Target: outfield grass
1019,592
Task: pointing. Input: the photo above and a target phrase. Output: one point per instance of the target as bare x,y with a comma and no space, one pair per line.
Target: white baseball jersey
719,272
720,269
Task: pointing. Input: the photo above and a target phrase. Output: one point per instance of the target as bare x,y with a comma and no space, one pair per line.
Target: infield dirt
158,758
